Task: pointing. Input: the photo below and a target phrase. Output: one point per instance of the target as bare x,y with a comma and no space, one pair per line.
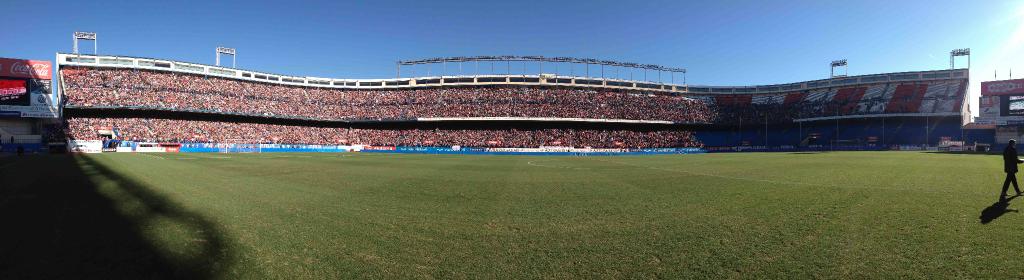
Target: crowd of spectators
191,131
178,91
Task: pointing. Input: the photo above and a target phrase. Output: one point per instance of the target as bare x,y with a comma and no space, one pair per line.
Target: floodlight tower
79,35
838,63
959,52
230,51
963,52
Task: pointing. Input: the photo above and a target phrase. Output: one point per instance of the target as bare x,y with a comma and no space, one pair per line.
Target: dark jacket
1010,159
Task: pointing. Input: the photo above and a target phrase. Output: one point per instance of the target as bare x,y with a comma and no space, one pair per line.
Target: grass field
340,216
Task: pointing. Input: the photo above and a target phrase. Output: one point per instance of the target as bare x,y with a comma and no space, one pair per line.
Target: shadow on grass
70,217
996,210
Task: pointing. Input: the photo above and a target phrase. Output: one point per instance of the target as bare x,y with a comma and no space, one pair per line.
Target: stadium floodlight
229,51
959,52
837,63
963,52
79,35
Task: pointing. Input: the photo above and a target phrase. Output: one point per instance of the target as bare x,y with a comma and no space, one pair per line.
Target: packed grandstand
147,100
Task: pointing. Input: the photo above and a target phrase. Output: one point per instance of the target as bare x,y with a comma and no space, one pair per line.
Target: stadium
157,166
125,102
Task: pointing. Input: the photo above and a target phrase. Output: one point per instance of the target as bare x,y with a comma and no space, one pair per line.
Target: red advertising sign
1007,87
12,89
23,68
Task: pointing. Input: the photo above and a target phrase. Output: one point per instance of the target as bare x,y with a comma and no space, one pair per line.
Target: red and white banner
1007,87
23,68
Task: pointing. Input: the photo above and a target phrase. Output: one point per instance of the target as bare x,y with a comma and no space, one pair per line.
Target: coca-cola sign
22,68
1003,87
34,70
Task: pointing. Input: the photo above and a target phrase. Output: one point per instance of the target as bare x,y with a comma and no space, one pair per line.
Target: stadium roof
560,59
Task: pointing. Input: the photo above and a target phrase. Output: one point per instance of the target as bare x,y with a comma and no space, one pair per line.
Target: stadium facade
132,103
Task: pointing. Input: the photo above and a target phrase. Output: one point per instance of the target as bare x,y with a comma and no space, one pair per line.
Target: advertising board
25,89
1005,87
85,146
24,68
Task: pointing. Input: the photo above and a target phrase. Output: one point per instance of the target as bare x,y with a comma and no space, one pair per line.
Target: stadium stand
126,88
192,131
935,97
207,104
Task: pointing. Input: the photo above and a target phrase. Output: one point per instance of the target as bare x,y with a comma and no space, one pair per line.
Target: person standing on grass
1010,162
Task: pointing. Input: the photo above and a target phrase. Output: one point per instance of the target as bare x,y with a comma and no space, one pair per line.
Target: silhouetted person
1010,162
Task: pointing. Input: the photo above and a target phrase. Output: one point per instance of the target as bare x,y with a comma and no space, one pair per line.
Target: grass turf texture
338,216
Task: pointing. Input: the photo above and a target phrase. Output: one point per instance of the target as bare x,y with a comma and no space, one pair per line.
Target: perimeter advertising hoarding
25,89
85,146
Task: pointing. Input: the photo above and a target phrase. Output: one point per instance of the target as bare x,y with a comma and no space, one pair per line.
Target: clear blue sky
720,42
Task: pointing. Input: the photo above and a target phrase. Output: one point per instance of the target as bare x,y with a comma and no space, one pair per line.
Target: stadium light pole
953,54
79,35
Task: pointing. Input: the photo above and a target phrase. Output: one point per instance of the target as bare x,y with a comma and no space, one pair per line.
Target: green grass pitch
854,215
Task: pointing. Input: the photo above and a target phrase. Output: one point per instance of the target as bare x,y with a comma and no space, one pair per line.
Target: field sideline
350,215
